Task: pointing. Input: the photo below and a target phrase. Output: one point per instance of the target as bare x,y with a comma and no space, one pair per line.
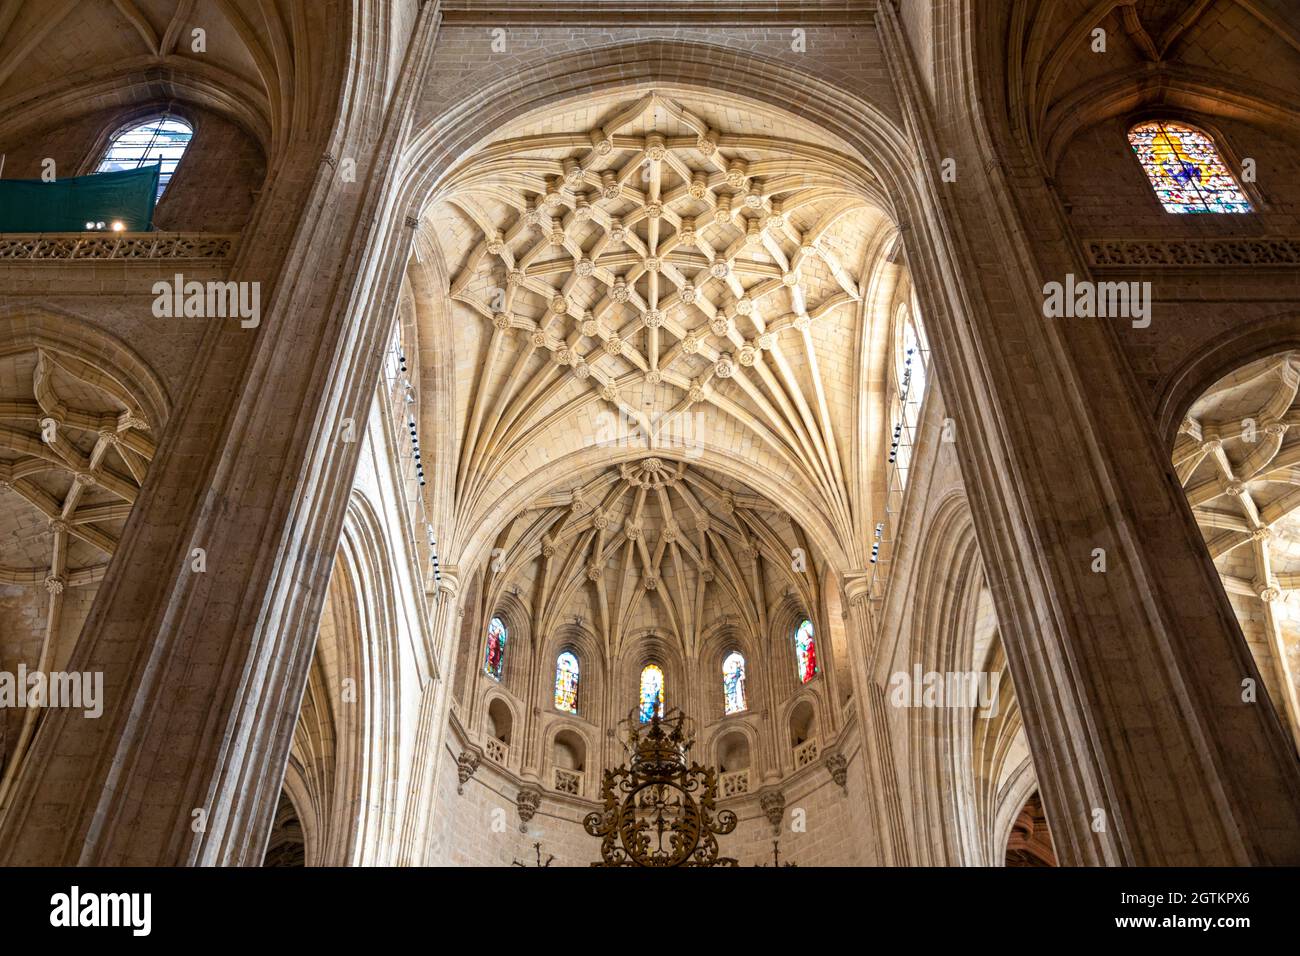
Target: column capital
857,586
449,582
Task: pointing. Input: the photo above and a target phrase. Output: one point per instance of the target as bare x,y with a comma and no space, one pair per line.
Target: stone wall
215,185
823,825
1051,437
1108,194
847,54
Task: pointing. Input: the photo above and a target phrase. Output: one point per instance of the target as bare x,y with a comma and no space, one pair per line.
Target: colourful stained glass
495,659
160,141
652,692
1185,169
566,683
733,683
805,651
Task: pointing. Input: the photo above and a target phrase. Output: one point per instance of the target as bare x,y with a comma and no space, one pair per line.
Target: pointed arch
161,139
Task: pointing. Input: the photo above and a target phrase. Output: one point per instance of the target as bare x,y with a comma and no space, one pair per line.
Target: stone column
204,672
1129,679
888,825
432,757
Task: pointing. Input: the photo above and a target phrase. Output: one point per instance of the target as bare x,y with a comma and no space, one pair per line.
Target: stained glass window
652,692
805,651
1185,169
161,140
495,659
566,683
733,683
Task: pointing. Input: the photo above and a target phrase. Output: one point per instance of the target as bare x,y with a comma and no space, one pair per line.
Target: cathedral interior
413,413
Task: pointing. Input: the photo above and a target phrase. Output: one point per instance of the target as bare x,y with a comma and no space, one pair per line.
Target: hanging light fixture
415,449
433,555
659,810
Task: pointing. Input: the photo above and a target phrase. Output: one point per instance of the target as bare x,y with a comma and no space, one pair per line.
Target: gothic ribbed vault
652,543
1242,477
670,274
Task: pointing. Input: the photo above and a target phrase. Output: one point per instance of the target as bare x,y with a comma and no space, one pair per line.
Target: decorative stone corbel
857,588
838,765
448,583
466,764
773,804
527,802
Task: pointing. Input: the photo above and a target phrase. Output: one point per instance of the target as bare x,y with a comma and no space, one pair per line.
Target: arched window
733,683
161,140
566,682
652,692
911,362
1185,169
495,658
396,358
805,651
912,359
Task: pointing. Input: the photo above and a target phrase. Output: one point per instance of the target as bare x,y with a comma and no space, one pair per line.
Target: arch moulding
873,140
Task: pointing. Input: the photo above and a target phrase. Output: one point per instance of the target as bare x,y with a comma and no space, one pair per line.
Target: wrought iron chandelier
776,856
549,858
660,811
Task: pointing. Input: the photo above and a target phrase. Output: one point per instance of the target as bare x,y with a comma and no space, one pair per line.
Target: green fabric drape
66,205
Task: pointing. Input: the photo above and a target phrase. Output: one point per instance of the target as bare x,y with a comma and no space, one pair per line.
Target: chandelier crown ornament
658,747
659,810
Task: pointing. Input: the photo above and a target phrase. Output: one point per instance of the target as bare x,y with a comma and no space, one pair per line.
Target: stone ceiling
1238,456
652,544
246,58
1062,80
44,43
73,452
667,264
